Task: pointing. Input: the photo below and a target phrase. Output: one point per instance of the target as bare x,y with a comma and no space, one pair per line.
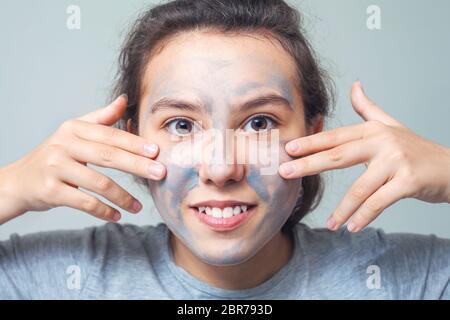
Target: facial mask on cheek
169,193
278,195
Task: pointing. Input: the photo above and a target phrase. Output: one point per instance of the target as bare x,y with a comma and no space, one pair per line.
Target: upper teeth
227,212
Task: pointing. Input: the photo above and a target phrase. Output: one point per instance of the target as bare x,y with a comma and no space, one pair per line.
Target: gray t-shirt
130,262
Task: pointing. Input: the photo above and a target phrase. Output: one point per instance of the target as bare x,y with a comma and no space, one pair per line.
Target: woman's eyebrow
263,100
170,103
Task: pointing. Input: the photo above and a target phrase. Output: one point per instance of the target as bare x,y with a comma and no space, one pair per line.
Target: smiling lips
223,215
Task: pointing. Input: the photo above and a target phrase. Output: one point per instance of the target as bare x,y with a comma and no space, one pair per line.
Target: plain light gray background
49,74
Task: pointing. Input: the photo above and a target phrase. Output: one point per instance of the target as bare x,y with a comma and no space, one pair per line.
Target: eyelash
172,120
264,115
271,118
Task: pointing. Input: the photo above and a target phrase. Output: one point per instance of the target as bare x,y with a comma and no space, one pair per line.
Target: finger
325,140
88,179
109,115
115,158
367,109
366,185
116,138
77,199
386,196
342,156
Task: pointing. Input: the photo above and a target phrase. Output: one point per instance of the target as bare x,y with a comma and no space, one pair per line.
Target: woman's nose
222,167
221,174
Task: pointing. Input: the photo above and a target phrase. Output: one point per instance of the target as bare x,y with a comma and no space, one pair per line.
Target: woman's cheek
278,198
280,195
168,194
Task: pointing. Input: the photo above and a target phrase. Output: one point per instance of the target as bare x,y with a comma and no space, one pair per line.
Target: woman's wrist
10,206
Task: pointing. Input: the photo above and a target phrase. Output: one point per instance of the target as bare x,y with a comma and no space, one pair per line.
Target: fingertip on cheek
157,171
151,149
292,147
286,170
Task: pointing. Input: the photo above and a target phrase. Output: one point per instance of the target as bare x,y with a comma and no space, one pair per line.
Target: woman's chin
219,248
224,255
229,246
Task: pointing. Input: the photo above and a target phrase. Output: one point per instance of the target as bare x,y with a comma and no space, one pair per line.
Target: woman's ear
130,127
316,125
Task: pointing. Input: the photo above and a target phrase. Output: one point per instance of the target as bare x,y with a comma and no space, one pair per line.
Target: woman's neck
261,267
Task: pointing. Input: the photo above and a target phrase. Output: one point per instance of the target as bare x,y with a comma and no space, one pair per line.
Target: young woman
210,83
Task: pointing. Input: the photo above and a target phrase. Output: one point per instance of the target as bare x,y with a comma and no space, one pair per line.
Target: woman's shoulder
87,246
90,240
48,259
370,238
406,265
129,237
375,246
128,232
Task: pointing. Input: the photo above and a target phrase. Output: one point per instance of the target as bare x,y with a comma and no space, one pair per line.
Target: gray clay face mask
276,200
219,78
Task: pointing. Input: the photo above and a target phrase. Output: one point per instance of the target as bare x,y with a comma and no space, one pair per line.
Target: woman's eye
181,127
259,124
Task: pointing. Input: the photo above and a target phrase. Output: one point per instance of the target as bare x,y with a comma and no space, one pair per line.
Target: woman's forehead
219,64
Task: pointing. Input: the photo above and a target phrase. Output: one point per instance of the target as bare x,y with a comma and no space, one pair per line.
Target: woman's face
221,109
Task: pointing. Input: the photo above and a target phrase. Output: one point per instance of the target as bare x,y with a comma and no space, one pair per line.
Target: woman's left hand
400,164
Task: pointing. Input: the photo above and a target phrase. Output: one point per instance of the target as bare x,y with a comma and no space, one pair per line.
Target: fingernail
331,223
156,170
116,216
287,169
352,227
361,86
151,149
292,147
125,96
137,206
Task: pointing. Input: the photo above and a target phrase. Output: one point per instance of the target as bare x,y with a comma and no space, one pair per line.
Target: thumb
367,109
108,115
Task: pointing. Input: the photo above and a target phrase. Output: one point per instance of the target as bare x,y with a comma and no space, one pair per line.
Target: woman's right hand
52,174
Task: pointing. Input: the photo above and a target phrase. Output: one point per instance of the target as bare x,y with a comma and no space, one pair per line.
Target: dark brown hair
274,19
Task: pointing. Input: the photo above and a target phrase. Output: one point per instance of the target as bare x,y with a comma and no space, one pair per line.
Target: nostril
222,182
221,175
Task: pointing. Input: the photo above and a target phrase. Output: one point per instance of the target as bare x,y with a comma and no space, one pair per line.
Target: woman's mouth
223,215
